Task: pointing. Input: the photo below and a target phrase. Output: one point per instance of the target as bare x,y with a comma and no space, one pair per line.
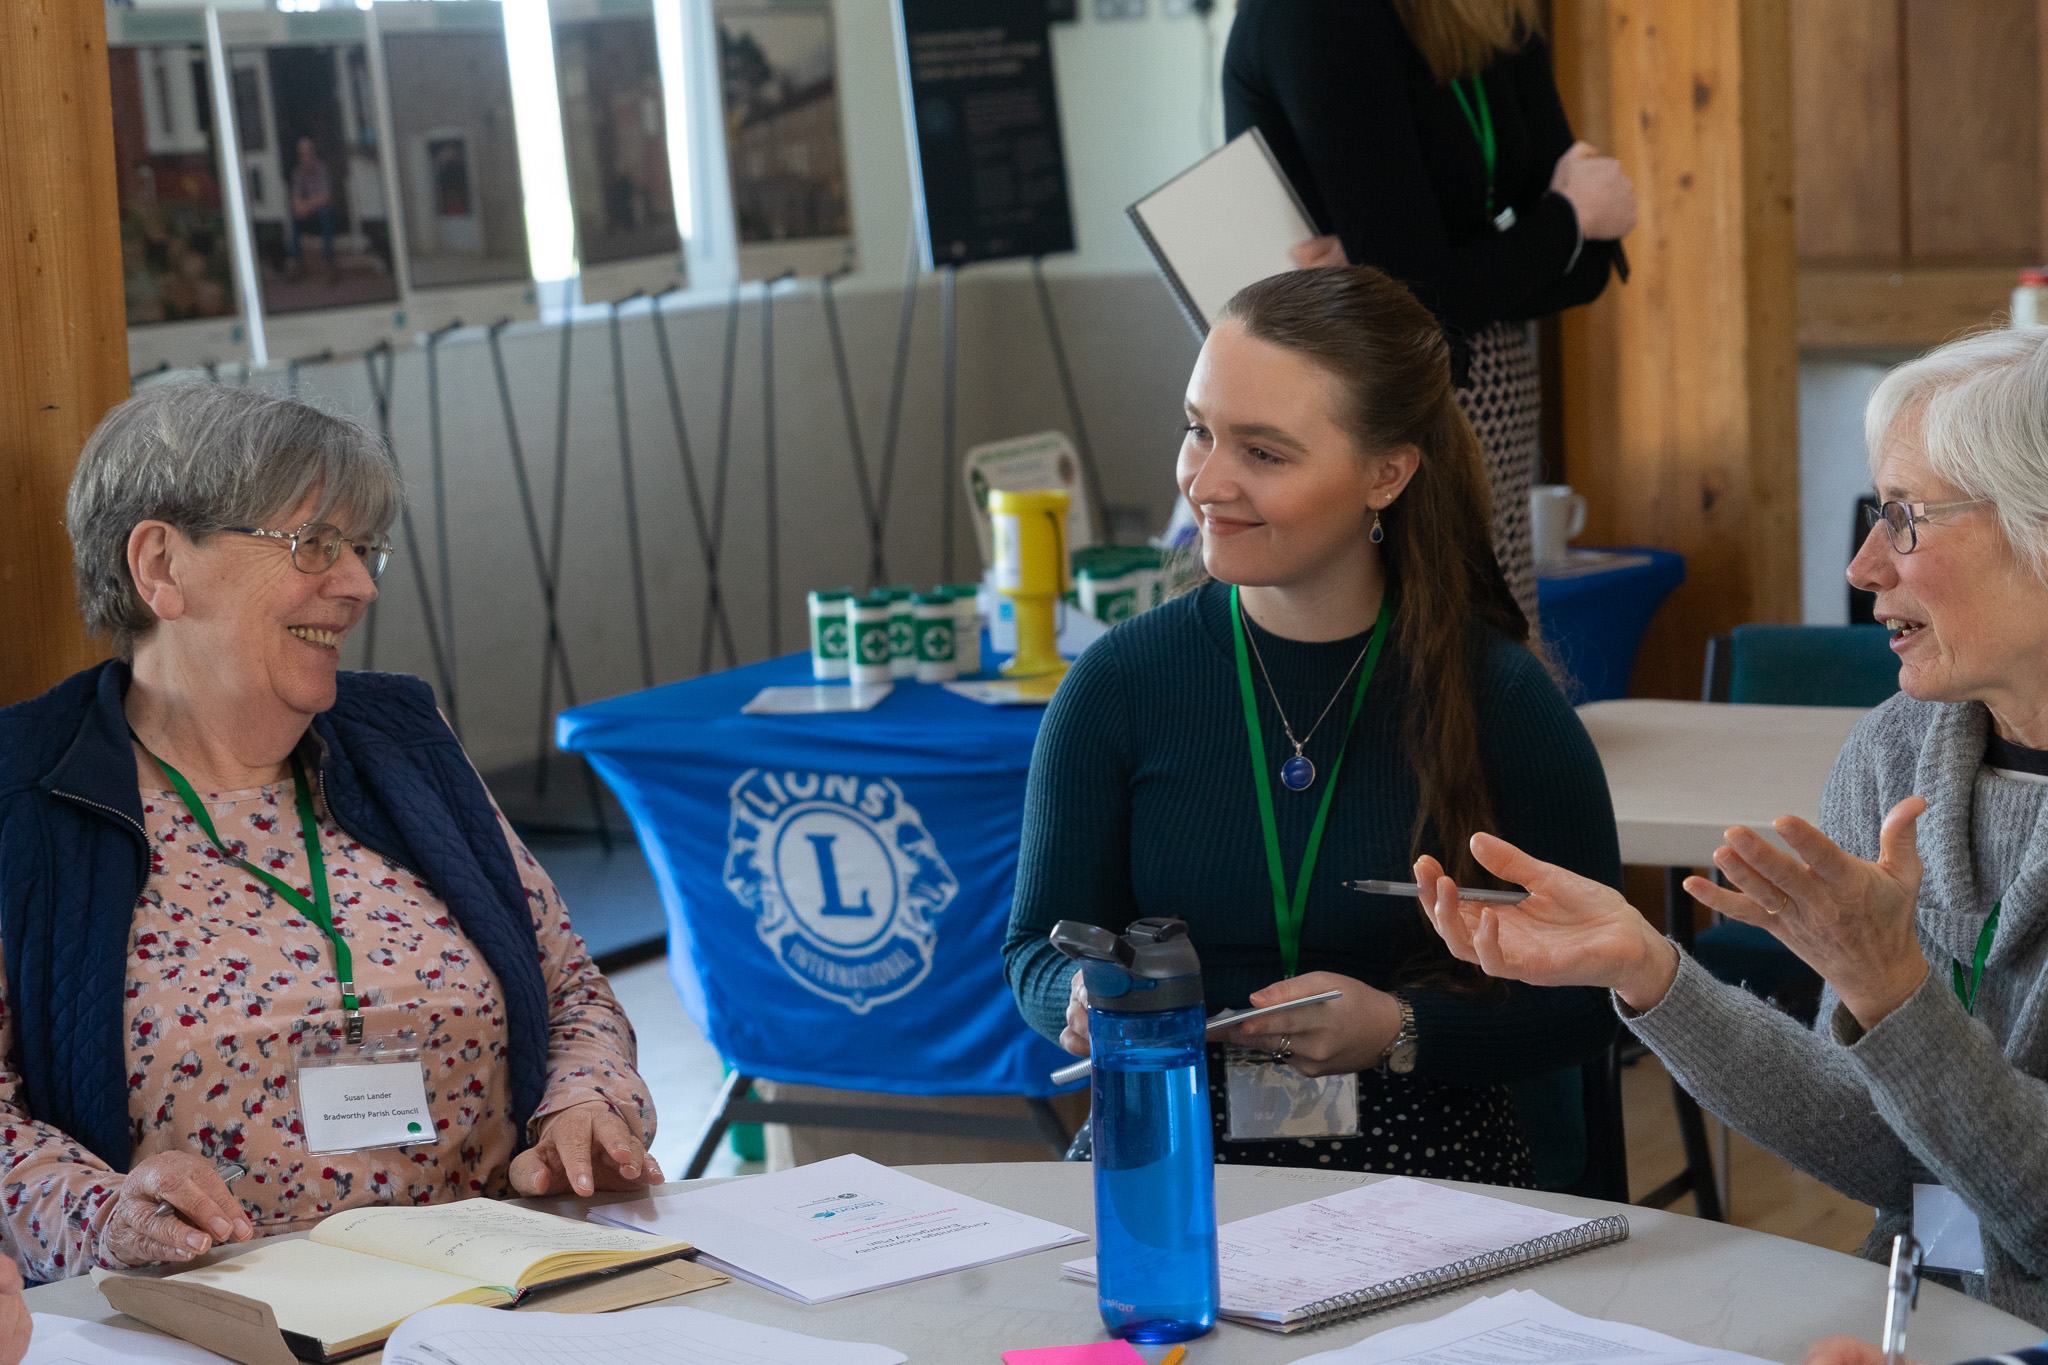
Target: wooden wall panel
1973,131
1846,71
63,327
1681,386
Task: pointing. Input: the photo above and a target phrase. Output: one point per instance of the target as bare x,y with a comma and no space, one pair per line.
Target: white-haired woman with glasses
1922,899
234,878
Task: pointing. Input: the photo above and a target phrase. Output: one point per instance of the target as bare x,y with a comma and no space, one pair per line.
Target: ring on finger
1286,1048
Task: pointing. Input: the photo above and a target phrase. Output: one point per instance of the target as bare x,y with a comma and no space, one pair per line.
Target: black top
2013,758
1141,803
1383,157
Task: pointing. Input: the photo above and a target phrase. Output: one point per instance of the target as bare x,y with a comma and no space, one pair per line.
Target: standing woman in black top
1426,137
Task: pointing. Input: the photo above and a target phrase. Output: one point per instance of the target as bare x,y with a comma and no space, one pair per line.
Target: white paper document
816,700
837,1227
74,1341
462,1334
1273,1265
1521,1327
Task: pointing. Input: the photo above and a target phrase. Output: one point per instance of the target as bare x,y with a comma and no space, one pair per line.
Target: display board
310,144
615,132
988,168
177,250
456,152
785,143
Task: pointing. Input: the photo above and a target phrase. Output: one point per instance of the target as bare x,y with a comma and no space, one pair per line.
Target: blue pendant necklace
1298,774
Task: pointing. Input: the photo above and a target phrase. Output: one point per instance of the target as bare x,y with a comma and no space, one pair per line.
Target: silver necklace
1297,774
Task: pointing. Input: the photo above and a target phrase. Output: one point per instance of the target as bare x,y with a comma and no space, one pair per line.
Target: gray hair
1983,407
203,457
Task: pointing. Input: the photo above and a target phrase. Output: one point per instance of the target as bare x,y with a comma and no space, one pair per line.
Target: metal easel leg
949,384
707,539
632,498
553,654
771,549
1073,396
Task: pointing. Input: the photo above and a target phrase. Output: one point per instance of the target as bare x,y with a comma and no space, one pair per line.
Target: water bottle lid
1151,967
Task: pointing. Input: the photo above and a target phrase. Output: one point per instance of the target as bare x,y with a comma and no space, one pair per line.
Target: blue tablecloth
837,886
1594,622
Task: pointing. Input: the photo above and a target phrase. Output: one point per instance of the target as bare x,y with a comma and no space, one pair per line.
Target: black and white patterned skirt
1503,399
1407,1125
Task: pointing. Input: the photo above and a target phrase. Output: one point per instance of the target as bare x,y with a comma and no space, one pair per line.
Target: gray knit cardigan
1931,1094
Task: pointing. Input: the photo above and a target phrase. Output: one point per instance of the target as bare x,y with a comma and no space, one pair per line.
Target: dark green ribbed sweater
1141,803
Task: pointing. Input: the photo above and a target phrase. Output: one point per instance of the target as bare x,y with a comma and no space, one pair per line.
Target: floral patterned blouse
226,982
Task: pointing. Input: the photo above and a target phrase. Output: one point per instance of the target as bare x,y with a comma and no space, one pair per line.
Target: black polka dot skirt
1504,402
1407,1125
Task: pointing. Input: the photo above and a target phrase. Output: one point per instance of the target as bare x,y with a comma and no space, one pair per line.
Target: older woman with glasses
240,890
1922,899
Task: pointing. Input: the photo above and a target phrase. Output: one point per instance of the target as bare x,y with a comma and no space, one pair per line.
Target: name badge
1268,1099
353,1106
1947,1230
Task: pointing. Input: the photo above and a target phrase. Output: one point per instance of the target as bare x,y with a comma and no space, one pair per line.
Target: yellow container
1029,527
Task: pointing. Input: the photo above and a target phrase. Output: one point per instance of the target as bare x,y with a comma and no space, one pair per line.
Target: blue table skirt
837,886
1594,623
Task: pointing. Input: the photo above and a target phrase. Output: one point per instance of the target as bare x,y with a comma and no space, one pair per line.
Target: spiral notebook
1375,1246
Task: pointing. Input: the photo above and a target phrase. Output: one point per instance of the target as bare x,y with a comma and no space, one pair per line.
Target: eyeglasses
316,546
1901,518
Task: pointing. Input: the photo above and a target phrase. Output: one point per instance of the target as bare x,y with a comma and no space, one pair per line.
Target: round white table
1704,1282
1682,772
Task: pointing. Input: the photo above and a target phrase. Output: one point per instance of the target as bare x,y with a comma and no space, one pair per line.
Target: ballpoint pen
1902,1296
1379,888
230,1172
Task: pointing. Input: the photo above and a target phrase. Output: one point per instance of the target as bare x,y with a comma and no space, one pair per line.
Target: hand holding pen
172,1207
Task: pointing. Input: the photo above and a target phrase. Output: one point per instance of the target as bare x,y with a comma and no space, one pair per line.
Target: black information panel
990,172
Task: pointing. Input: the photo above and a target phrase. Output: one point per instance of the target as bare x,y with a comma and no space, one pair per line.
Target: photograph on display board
458,154
615,131
312,175
785,148
176,262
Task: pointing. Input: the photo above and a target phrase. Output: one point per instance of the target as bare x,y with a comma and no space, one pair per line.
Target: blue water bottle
1155,1175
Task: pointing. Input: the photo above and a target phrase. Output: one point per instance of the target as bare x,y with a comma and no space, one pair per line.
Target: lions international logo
843,879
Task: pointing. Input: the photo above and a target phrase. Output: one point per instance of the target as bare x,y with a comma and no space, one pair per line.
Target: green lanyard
1966,988
1481,124
1288,913
319,909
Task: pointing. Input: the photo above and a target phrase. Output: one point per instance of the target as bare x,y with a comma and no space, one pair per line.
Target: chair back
1801,666
1572,1121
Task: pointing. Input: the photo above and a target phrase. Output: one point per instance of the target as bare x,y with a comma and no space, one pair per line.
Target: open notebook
361,1273
1225,222
1375,1246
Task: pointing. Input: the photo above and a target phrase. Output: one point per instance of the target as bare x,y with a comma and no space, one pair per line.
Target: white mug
1556,514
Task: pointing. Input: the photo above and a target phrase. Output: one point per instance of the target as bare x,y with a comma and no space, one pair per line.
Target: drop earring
1378,532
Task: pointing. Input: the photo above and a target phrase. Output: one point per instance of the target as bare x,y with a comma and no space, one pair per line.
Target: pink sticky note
1088,1353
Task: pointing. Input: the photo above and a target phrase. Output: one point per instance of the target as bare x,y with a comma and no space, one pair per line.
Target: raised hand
1850,920
1571,931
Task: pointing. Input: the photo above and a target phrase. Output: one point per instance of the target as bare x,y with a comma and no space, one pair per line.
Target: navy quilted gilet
74,860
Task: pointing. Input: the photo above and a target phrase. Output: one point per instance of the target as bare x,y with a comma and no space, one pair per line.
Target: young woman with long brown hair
1353,605
1426,137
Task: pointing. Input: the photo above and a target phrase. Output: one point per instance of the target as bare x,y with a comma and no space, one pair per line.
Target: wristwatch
1399,1058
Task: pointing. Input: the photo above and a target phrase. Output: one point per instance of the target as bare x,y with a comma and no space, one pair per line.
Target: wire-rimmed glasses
1902,519
316,546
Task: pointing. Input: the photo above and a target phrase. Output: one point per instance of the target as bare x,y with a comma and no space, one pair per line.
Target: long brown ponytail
1388,354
